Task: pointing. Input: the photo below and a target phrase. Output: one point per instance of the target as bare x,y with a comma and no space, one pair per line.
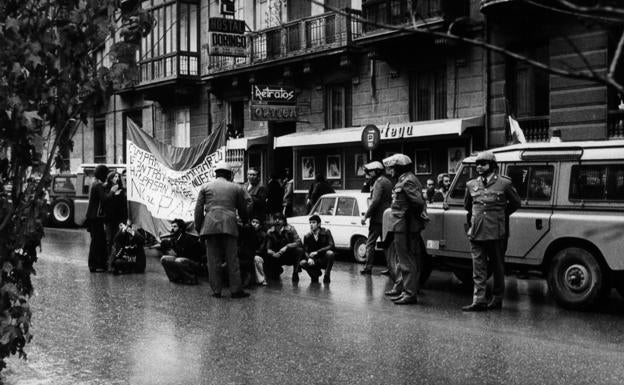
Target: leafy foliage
49,80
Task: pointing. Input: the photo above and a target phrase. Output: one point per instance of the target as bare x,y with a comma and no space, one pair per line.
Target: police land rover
570,227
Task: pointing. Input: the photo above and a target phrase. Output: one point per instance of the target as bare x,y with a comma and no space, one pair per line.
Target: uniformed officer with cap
404,220
215,219
380,199
490,199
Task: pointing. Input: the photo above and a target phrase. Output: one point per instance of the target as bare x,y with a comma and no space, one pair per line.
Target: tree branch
596,9
605,19
583,75
616,58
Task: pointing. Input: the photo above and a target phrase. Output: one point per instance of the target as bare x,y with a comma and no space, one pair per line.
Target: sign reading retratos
226,37
273,103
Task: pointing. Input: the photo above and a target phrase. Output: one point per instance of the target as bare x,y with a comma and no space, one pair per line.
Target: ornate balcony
300,38
535,128
615,124
398,12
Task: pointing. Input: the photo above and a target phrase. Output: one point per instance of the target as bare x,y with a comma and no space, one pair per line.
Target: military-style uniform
405,220
489,206
380,199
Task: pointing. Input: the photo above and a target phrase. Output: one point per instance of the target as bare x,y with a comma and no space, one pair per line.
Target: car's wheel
62,213
576,279
359,249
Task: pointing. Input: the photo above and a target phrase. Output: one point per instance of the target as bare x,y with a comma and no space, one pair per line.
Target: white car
342,214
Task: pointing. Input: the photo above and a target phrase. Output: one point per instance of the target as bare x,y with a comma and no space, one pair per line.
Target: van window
600,182
532,182
66,184
467,172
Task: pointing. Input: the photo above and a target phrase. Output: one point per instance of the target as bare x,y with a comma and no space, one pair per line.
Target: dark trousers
324,261
408,249
98,256
490,253
273,266
180,269
222,248
374,232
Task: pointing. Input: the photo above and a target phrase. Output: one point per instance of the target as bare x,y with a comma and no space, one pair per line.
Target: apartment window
99,140
338,106
182,133
527,87
427,96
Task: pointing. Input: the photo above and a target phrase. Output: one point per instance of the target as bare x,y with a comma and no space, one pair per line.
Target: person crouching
318,245
182,255
128,255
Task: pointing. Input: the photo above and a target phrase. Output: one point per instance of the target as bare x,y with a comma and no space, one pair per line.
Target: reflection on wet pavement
141,329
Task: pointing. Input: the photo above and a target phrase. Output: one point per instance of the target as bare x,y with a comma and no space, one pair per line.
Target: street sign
370,137
273,103
226,37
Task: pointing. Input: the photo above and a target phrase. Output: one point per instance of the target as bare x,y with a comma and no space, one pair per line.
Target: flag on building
516,131
163,181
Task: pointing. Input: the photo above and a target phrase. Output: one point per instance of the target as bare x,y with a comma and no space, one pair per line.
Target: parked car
341,213
569,227
69,194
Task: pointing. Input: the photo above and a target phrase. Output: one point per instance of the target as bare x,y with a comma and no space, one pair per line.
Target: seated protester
283,248
318,245
253,251
182,255
128,254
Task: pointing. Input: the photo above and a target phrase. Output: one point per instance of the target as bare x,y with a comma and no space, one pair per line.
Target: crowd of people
245,239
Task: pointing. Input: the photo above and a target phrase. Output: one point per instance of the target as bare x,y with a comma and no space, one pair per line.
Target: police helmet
487,156
376,165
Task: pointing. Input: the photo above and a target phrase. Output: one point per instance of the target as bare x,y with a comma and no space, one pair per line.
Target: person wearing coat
405,219
258,193
98,197
380,199
317,189
289,194
182,255
275,194
490,199
218,203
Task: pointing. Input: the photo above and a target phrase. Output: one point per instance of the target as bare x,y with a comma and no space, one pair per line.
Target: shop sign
273,103
370,137
397,131
227,7
273,113
226,37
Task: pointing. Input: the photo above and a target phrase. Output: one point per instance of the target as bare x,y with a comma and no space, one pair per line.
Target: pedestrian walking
182,255
289,194
98,197
490,199
218,203
405,219
319,188
258,193
380,200
318,246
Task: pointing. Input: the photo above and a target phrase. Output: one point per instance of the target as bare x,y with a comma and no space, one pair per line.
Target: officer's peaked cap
376,165
487,156
223,166
397,160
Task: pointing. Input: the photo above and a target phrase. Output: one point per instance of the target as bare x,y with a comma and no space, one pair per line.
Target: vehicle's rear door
534,183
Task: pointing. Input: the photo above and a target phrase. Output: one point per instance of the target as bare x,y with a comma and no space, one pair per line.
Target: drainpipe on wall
486,124
114,128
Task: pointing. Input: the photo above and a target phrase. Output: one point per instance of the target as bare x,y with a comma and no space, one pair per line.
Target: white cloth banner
167,193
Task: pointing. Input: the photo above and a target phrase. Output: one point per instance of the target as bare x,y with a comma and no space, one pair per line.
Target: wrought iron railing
615,124
169,66
399,12
318,33
535,128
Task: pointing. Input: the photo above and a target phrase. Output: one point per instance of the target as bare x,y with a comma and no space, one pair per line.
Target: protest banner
163,181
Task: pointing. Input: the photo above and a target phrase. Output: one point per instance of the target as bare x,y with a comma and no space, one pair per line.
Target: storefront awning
245,143
409,130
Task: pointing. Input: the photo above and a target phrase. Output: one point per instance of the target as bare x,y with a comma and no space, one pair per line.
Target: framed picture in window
422,162
308,167
455,156
333,167
360,161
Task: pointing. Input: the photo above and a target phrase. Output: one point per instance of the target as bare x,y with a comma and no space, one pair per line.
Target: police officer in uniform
490,199
215,219
404,220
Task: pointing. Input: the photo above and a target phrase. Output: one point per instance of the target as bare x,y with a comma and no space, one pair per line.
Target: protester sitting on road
128,254
283,248
182,255
253,249
318,245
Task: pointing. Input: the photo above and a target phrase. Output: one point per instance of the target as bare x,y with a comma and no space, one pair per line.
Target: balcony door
298,9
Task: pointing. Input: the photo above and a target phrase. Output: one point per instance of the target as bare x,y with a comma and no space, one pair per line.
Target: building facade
432,98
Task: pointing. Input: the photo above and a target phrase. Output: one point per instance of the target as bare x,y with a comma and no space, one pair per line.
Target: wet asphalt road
141,329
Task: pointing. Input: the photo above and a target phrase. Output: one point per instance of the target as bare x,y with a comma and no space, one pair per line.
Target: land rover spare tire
62,212
576,279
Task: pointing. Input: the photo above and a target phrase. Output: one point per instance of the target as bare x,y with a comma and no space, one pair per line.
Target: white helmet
223,166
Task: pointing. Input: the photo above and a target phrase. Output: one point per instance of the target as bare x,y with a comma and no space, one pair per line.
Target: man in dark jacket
252,251
319,188
318,245
380,199
283,248
129,255
275,193
98,250
218,203
405,220
258,193
490,199
182,255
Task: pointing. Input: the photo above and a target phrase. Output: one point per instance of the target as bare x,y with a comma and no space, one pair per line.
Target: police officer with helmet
404,221
215,219
490,199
